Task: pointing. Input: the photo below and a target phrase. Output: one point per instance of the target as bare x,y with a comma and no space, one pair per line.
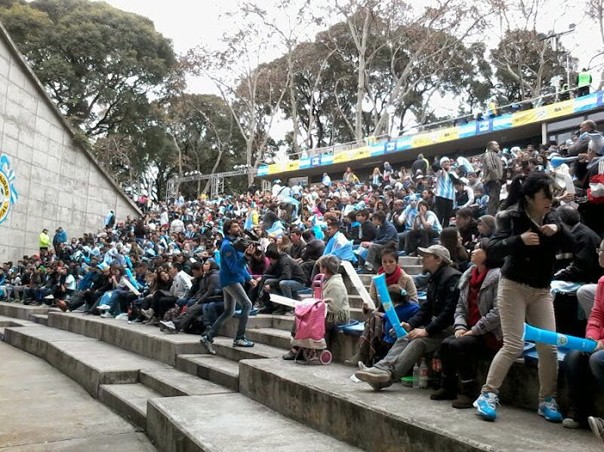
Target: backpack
595,192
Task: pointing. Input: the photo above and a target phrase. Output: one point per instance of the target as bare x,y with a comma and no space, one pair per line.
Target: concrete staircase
250,399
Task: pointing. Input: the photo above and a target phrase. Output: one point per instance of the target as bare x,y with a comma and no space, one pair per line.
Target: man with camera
233,275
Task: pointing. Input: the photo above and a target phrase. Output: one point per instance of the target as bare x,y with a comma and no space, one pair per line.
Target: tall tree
100,65
247,86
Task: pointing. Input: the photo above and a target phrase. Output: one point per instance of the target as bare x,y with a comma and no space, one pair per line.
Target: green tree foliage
524,63
100,64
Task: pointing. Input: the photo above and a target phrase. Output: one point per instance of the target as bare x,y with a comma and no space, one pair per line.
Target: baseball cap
437,250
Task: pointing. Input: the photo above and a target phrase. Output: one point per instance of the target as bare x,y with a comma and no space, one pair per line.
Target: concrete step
129,401
413,269
87,361
270,336
42,319
12,321
174,383
403,261
224,347
396,418
142,339
230,422
21,311
216,369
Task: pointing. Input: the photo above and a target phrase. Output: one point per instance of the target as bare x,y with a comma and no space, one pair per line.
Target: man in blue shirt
386,233
233,275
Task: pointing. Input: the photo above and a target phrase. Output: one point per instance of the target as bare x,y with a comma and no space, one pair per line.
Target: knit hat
443,160
488,221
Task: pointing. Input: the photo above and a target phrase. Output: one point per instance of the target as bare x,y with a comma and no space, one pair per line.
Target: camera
244,241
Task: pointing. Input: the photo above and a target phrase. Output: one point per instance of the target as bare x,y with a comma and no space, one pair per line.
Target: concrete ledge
174,383
229,422
87,361
216,369
20,311
397,418
129,401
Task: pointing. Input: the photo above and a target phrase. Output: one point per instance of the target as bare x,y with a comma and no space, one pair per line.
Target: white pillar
544,137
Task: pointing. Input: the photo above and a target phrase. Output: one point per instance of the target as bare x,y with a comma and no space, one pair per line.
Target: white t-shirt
70,283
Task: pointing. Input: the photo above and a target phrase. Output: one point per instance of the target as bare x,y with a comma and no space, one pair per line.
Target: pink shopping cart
310,327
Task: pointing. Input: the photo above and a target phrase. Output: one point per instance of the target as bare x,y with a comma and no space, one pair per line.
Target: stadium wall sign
8,194
418,140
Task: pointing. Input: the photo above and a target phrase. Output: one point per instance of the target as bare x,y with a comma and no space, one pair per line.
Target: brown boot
467,395
463,401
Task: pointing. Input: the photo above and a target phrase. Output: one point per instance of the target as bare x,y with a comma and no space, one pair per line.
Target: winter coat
436,314
487,304
595,324
233,266
530,265
338,308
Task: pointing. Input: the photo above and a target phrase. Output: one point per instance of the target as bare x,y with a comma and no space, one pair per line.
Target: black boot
448,390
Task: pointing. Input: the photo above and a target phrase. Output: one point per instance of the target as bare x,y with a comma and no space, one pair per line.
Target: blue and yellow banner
428,138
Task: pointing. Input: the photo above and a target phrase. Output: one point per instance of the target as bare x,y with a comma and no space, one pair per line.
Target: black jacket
313,250
438,312
209,289
530,265
584,267
287,269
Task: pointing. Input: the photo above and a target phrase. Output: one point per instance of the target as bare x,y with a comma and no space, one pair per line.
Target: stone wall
58,182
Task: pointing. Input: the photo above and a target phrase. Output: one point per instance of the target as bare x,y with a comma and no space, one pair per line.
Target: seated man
467,227
584,266
284,276
386,234
406,219
311,253
426,228
427,328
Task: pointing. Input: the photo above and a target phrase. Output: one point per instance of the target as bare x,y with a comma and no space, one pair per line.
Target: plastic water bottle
416,376
423,374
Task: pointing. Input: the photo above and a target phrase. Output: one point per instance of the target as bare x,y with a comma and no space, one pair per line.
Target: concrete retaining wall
58,182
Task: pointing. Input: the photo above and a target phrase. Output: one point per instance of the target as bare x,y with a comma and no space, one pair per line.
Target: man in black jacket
584,267
427,328
311,253
288,276
386,234
367,230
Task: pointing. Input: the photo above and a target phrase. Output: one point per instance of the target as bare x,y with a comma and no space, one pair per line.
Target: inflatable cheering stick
533,334
382,290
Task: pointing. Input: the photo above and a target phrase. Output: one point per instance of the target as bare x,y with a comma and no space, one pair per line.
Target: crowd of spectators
494,231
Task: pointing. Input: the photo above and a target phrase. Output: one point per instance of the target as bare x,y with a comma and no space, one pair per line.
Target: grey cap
437,250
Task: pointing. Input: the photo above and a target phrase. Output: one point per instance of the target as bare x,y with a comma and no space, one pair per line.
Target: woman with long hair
451,239
528,237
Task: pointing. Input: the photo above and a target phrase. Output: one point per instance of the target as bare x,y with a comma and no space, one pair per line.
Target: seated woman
372,346
477,330
335,296
451,239
585,371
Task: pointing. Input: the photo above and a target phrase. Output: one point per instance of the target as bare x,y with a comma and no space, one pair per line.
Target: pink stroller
310,327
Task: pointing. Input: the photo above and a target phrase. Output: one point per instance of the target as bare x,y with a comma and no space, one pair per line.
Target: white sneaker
104,307
168,324
106,315
122,316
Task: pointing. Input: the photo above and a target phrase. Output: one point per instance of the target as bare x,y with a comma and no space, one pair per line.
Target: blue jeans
211,311
289,286
233,294
583,372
